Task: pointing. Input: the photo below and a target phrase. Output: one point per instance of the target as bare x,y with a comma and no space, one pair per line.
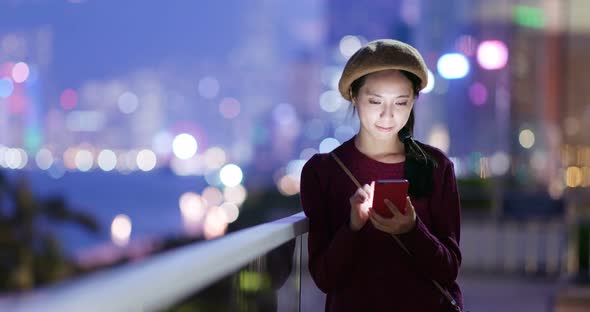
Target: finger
380,226
367,189
410,206
393,208
379,219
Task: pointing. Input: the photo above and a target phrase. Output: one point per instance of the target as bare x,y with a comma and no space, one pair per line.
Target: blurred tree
30,254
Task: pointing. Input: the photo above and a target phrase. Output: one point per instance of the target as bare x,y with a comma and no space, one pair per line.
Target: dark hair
419,164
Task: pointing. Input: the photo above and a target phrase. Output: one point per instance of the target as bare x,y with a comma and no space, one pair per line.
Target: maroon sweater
367,270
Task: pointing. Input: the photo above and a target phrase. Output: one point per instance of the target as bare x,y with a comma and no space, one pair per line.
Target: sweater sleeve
436,251
331,252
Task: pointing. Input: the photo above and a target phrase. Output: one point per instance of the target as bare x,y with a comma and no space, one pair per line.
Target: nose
387,111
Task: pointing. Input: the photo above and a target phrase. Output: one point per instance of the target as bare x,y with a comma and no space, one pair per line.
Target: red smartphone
394,190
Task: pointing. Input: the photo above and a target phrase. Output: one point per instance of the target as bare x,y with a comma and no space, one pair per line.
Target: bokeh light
492,54
68,99
20,72
212,195
349,45
231,211
453,66
478,93
288,186
128,102
146,160
235,194
192,210
214,157
107,160
331,101
208,87
15,158
6,87
184,146
84,160
573,176
430,84
328,144
229,108
499,163
44,159
121,230
308,153
231,175
526,138
439,138
215,223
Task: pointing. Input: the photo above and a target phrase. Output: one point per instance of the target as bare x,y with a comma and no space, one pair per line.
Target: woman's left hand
399,223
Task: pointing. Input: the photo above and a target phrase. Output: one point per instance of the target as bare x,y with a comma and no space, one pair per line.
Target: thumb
409,206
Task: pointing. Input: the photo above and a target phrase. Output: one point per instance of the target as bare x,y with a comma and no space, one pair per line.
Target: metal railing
165,279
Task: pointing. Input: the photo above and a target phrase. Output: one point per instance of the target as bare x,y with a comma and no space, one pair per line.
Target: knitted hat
380,55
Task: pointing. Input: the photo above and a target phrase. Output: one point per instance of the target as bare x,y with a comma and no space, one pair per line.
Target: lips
384,129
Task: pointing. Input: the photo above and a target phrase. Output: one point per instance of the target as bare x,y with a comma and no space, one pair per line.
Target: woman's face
384,104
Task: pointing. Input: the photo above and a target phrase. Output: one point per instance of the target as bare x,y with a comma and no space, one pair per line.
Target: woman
353,253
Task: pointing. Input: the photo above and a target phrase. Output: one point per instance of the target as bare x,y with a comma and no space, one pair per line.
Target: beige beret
380,55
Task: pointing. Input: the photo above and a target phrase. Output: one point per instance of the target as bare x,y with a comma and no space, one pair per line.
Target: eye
374,102
402,103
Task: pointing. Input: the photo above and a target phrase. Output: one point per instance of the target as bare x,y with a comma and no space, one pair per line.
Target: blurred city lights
20,72
573,176
439,138
214,157
208,87
526,138
478,94
288,186
212,196
84,160
349,45
192,209
294,168
229,108
128,102
44,159
107,160
499,163
184,167
215,223
430,85
121,230
343,133
308,153
492,54
328,144
146,160
529,16
331,101
453,66
162,143
235,194
184,146
231,211
6,87
231,175
68,99
15,158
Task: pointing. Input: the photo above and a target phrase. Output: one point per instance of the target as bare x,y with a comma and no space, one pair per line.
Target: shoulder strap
400,243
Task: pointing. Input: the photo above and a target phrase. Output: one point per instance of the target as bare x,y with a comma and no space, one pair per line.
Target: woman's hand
399,223
360,205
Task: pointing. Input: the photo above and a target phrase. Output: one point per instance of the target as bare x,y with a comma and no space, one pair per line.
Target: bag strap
445,292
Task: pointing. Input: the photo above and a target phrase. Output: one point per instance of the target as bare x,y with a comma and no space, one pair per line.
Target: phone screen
394,190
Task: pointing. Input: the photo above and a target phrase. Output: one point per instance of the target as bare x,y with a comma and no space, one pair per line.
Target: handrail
164,279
